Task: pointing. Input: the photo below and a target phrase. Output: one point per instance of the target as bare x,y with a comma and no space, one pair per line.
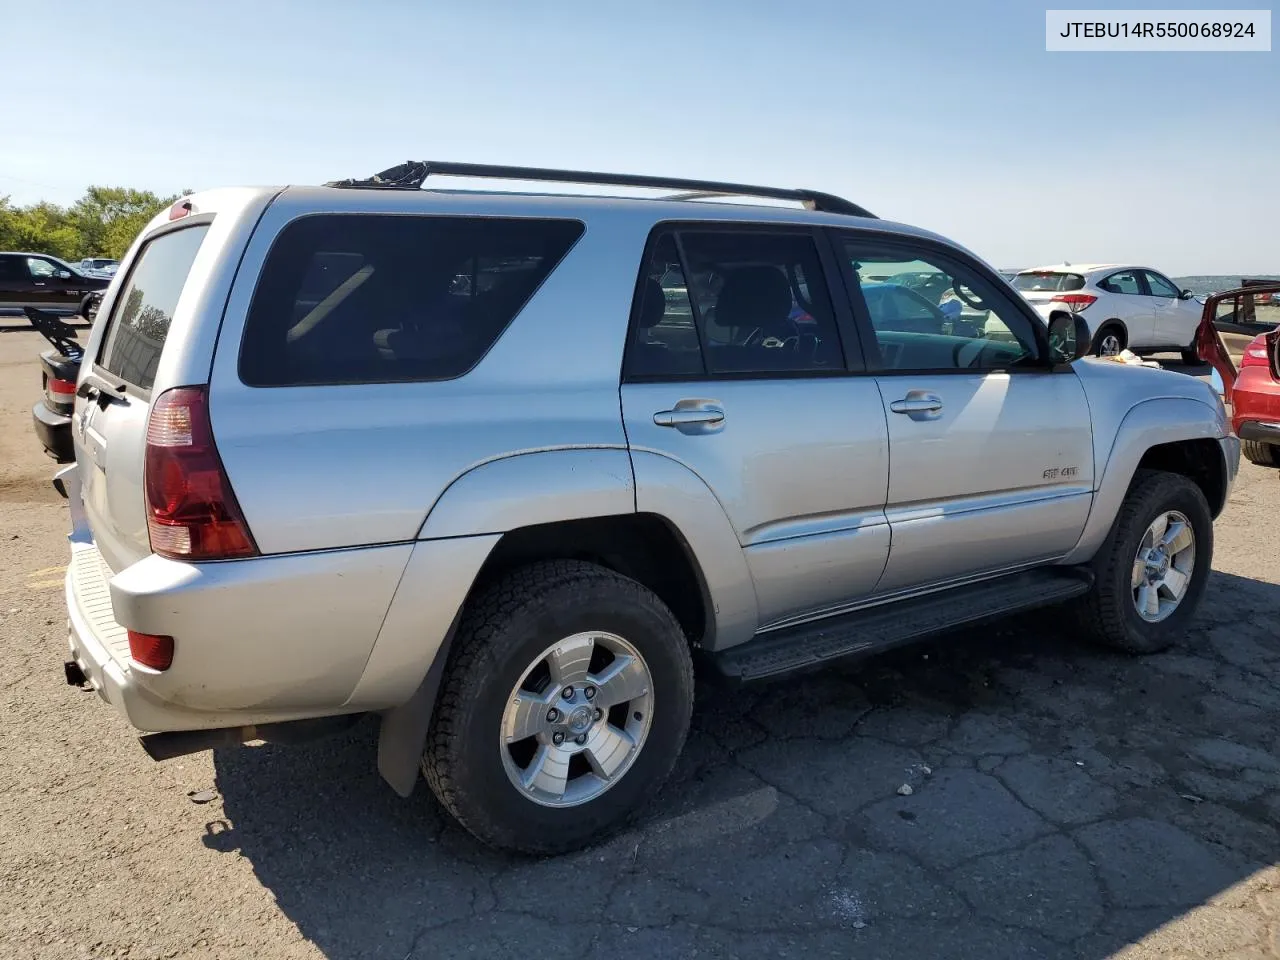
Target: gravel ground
1063,802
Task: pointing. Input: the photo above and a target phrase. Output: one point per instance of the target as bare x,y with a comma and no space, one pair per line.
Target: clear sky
946,114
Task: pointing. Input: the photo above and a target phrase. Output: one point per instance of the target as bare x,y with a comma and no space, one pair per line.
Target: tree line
102,223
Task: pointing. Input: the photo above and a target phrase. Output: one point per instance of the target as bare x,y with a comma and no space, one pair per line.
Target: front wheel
564,705
1152,569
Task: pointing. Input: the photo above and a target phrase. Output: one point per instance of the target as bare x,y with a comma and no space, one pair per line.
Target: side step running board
878,628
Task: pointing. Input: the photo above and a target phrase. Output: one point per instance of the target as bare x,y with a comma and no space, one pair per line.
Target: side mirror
1186,295
63,274
1068,337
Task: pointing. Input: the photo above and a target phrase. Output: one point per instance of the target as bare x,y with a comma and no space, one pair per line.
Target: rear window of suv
370,298
1056,282
139,323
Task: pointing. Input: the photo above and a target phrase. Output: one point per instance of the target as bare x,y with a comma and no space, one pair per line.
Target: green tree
102,223
109,218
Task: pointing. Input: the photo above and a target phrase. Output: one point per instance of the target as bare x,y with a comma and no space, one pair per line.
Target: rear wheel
564,704
1110,340
1152,569
1263,454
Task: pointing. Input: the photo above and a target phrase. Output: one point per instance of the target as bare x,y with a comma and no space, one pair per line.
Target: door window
1160,287
40,269
1125,282
733,302
11,270
957,320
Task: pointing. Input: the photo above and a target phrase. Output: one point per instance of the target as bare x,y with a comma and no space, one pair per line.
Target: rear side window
144,307
362,298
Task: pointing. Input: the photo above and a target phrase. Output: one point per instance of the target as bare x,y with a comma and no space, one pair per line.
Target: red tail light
1255,354
65,389
1075,301
191,512
151,650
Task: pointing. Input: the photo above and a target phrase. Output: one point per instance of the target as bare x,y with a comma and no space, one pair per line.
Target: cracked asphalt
1063,801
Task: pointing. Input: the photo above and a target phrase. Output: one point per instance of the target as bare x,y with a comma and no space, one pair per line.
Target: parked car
319,477
1130,307
45,282
99,266
1252,385
59,370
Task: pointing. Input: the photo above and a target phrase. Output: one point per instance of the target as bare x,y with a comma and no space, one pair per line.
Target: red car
1254,390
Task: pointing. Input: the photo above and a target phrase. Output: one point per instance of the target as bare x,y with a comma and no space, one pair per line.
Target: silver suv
497,466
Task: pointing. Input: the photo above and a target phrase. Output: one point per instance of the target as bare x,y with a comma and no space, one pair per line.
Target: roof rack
412,174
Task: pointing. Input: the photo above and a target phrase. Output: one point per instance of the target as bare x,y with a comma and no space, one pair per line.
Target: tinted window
1160,287
664,340
144,307
761,302
11,269
1047,280
962,323
1126,282
378,299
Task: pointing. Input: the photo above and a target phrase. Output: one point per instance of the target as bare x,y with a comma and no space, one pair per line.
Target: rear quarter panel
317,467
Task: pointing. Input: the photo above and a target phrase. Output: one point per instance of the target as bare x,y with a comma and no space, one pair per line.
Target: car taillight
151,650
63,389
191,512
1255,354
1075,301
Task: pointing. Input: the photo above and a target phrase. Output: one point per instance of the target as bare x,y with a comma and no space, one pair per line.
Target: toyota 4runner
497,466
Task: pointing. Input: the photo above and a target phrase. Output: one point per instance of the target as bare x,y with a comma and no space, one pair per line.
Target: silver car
496,466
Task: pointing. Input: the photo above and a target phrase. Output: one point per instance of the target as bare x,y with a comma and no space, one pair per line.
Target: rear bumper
1260,431
53,430
263,640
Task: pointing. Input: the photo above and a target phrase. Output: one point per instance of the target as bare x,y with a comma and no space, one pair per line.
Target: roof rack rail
412,174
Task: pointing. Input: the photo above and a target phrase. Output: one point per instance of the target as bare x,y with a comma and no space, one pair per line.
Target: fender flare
532,488
1148,424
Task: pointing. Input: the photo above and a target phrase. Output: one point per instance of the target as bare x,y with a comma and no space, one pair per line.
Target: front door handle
684,416
918,404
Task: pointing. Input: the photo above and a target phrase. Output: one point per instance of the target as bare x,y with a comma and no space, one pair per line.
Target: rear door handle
683,416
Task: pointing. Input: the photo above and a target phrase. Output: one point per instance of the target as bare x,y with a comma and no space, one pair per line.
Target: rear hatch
115,392
1041,287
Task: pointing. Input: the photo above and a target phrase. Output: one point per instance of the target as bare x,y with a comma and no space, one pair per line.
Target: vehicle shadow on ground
1063,801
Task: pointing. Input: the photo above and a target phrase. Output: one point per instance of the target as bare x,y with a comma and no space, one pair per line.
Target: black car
45,282
59,370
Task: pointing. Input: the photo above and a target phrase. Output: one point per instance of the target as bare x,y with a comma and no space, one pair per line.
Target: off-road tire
501,633
1107,613
1263,454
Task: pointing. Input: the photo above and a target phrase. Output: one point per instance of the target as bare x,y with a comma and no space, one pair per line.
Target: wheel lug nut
553,715
589,692
557,738
580,739
599,713
567,693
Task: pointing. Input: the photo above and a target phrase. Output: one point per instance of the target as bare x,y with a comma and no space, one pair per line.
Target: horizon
1164,159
